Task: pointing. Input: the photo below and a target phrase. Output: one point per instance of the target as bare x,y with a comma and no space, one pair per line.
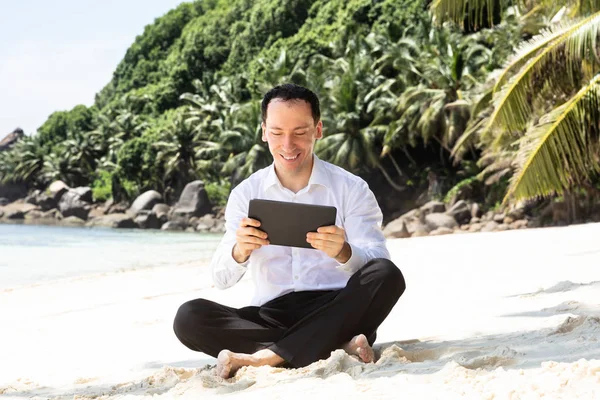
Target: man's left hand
332,241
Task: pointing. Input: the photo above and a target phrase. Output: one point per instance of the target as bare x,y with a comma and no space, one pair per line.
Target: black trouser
301,327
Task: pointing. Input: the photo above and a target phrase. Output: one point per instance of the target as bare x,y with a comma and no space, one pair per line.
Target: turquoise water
35,253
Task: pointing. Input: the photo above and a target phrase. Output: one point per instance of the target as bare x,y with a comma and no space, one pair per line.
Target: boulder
147,220
44,201
433,207
476,211
71,204
475,220
519,224
502,227
396,229
442,230
34,214
461,212
437,220
476,227
85,193
193,201
119,220
173,226
145,201
117,208
219,227
161,210
508,220
499,218
17,210
489,226
57,189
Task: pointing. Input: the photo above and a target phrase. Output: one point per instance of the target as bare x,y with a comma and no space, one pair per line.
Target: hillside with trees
495,101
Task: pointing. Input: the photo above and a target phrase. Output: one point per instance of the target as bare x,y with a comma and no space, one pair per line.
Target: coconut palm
543,110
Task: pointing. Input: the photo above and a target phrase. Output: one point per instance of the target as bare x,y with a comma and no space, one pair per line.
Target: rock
508,220
488,216
476,211
173,226
420,232
4,201
202,227
218,228
437,220
119,220
489,226
190,229
193,201
52,214
9,140
395,229
499,218
161,210
502,227
71,204
209,220
433,207
118,208
520,224
193,221
14,214
147,220
85,193
145,201
57,189
476,227
17,210
72,220
464,227
516,214
475,220
460,211
44,201
442,230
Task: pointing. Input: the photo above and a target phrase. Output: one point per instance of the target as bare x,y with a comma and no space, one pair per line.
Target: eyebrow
276,128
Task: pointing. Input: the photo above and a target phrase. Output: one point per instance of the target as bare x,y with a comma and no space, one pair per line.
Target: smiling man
307,302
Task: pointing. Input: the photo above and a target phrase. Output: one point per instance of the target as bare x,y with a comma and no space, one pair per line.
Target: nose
288,142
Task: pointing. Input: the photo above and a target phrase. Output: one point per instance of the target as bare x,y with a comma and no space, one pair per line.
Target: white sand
511,315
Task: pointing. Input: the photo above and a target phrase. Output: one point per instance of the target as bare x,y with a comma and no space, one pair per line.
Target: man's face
291,132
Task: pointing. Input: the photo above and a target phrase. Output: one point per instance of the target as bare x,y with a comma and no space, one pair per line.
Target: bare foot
359,346
229,362
226,364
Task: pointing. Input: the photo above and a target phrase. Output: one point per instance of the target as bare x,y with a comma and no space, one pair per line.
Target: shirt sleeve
362,224
226,272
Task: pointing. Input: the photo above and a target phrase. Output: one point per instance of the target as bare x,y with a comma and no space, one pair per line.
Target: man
308,302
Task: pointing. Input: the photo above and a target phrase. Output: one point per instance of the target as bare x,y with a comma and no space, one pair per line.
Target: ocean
37,253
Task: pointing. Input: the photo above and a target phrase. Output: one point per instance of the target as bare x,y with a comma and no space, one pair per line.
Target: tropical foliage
404,92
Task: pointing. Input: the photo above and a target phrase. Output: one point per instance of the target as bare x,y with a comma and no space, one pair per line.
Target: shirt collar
318,175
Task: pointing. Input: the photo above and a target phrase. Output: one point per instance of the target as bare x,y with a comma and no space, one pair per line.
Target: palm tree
23,162
546,111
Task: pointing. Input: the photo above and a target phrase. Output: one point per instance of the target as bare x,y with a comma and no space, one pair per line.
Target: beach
505,315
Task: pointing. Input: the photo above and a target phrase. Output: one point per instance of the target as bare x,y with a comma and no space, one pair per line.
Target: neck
296,180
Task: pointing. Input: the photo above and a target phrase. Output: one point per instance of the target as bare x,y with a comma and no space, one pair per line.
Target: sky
57,54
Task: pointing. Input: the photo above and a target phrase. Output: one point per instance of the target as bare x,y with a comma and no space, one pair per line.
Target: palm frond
562,149
512,105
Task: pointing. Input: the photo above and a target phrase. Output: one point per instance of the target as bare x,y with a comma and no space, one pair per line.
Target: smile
289,158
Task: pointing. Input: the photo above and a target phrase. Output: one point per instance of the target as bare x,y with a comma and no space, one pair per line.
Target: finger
326,237
248,231
250,222
330,229
252,240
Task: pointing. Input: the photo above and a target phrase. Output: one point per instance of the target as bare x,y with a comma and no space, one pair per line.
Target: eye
275,133
300,133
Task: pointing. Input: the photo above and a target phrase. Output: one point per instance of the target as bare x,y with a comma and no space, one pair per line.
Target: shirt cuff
355,262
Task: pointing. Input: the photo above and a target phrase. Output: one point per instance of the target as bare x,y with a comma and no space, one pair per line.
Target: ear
319,134
264,131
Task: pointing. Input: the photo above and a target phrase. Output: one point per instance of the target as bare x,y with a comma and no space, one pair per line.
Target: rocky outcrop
119,220
145,201
71,204
193,202
57,189
145,219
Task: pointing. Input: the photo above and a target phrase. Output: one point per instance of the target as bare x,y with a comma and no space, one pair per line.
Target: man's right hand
248,239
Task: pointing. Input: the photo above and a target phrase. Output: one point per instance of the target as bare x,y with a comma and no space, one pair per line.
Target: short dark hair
291,91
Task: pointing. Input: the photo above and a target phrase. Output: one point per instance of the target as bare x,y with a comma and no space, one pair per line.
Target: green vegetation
402,92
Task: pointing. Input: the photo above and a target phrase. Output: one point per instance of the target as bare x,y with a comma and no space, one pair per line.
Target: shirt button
296,277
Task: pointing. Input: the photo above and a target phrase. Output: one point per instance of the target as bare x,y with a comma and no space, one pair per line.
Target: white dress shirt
277,270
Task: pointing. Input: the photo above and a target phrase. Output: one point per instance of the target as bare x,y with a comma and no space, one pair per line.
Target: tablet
288,223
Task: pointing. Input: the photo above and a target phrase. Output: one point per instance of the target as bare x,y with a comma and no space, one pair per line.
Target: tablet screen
287,223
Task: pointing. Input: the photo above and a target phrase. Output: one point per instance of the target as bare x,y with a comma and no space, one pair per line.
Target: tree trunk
393,184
